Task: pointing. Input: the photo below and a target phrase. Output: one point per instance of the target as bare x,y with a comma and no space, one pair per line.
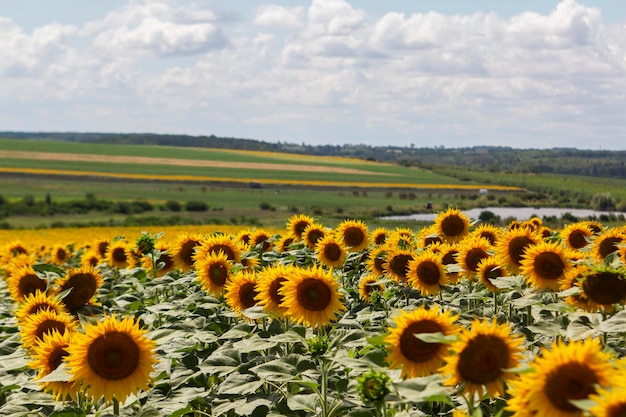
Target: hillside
594,163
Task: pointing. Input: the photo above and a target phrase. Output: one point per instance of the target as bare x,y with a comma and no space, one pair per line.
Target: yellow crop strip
260,181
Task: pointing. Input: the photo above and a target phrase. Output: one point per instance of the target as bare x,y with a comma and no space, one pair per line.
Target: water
519,213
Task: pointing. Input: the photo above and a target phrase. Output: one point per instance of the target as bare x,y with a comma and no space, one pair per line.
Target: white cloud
275,16
558,77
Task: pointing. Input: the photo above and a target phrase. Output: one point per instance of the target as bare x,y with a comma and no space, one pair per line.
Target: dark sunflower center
39,307
379,264
313,294
314,236
517,247
490,237
119,255
102,248
577,239
113,356
61,254
570,381
399,264
380,238
167,260
218,274
493,273
55,358
275,286
605,288
608,246
187,250
483,359
299,227
473,258
30,283
47,326
247,293
332,252
428,272
548,265
83,287
617,410
452,226
353,236
417,350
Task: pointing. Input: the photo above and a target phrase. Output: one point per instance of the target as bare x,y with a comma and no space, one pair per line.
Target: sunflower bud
373,386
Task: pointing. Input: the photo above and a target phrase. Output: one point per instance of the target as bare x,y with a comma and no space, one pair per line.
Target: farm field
328,187
455,319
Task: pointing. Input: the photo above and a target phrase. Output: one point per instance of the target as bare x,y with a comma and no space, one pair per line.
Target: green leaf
437,337
58,375
42,268
254,344
306,402
181,412
148,411
615,324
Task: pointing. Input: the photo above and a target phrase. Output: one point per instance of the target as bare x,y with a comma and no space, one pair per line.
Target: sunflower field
455,319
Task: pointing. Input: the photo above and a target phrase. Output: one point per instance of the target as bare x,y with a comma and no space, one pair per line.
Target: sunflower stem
116,406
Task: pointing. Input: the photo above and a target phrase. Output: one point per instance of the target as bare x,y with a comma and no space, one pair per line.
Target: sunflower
487,231
112,359
284,243
243,237
471,252
216,243
401,237
488,269
375,262
330,251
165,263
379,236
241,291
119,254
448,253
566,372
101,246
269,283
296,225
354,234
610,402
312,296
606,243
250,261
59,254
44,321
426,273
428,236
16,248
397,263
312,234
214,271
184,251
511,247
37,301
23,281
545,265
481,358
47,356
452,225
368,284
262,239
415,356
604,287
576,235
84,284
90,257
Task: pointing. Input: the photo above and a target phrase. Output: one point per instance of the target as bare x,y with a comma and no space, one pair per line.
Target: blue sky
525,74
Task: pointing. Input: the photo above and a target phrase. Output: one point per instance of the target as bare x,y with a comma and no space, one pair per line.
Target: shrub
196,206
172,205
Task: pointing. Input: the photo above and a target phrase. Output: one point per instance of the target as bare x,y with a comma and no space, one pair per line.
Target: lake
519,213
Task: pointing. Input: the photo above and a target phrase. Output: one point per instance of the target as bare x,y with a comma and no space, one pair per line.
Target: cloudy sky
526,74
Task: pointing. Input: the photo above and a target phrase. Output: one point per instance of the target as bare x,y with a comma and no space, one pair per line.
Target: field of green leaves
454,319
